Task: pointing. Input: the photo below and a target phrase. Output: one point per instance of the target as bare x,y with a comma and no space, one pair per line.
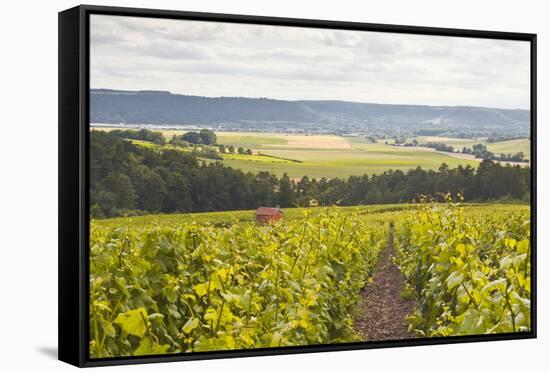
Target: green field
511,146
506,147
323,163
332,156
337,156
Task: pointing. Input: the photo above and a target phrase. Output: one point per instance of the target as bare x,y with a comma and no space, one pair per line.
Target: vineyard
201,288
217,281
469,274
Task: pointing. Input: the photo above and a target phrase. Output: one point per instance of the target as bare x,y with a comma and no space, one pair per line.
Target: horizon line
303,100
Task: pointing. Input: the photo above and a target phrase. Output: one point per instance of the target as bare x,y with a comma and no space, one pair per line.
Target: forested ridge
161,107
127,179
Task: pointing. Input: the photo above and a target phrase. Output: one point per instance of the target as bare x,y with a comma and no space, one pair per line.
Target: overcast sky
222,59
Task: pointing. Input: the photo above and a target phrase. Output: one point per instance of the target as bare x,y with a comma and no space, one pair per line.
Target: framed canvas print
233,186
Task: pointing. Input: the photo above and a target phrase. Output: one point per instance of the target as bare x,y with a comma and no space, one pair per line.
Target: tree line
203,137
206,137
126,179
478,150
481,151
142,135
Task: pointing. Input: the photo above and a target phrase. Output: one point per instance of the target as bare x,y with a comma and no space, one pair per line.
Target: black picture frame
73,181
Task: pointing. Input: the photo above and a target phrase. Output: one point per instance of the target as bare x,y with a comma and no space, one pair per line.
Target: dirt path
384,311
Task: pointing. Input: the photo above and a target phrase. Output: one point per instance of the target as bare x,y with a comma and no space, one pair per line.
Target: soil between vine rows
383,310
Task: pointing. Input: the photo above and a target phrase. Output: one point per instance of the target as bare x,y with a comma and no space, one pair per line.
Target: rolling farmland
325,155
337,156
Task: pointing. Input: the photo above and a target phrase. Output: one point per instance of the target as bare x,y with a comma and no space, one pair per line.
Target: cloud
341,38
435,51
222,59
162,48
377,44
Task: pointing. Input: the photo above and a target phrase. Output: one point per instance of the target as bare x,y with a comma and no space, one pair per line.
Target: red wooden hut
265,215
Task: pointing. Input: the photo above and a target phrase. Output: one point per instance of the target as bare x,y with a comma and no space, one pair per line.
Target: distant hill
160,107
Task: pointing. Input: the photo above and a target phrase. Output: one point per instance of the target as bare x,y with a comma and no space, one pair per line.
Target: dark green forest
126,179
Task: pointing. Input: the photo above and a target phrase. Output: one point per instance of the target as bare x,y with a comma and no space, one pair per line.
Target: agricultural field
253,140
511,146
342,164
228,218
337,156
209,281
508,146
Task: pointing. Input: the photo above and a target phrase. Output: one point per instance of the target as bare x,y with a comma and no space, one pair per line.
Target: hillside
159,107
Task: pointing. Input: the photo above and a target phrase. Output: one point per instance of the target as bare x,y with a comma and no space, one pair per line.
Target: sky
295,63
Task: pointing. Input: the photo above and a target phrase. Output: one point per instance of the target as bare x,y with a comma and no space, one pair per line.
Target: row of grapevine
196,287
470,274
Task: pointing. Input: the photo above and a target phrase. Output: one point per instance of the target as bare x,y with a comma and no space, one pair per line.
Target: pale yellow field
318,142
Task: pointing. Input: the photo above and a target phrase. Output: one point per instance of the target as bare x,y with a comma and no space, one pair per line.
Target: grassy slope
323,163
511,146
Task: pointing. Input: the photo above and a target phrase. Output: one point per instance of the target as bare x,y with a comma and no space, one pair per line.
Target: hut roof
268,210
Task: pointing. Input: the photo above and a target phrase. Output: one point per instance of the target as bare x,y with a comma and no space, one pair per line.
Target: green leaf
201,289
493,284
470,321
190,325
211,314
173,310
170,294
146,347
461,248
523,246
133,322
454,280
156,316
109,329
